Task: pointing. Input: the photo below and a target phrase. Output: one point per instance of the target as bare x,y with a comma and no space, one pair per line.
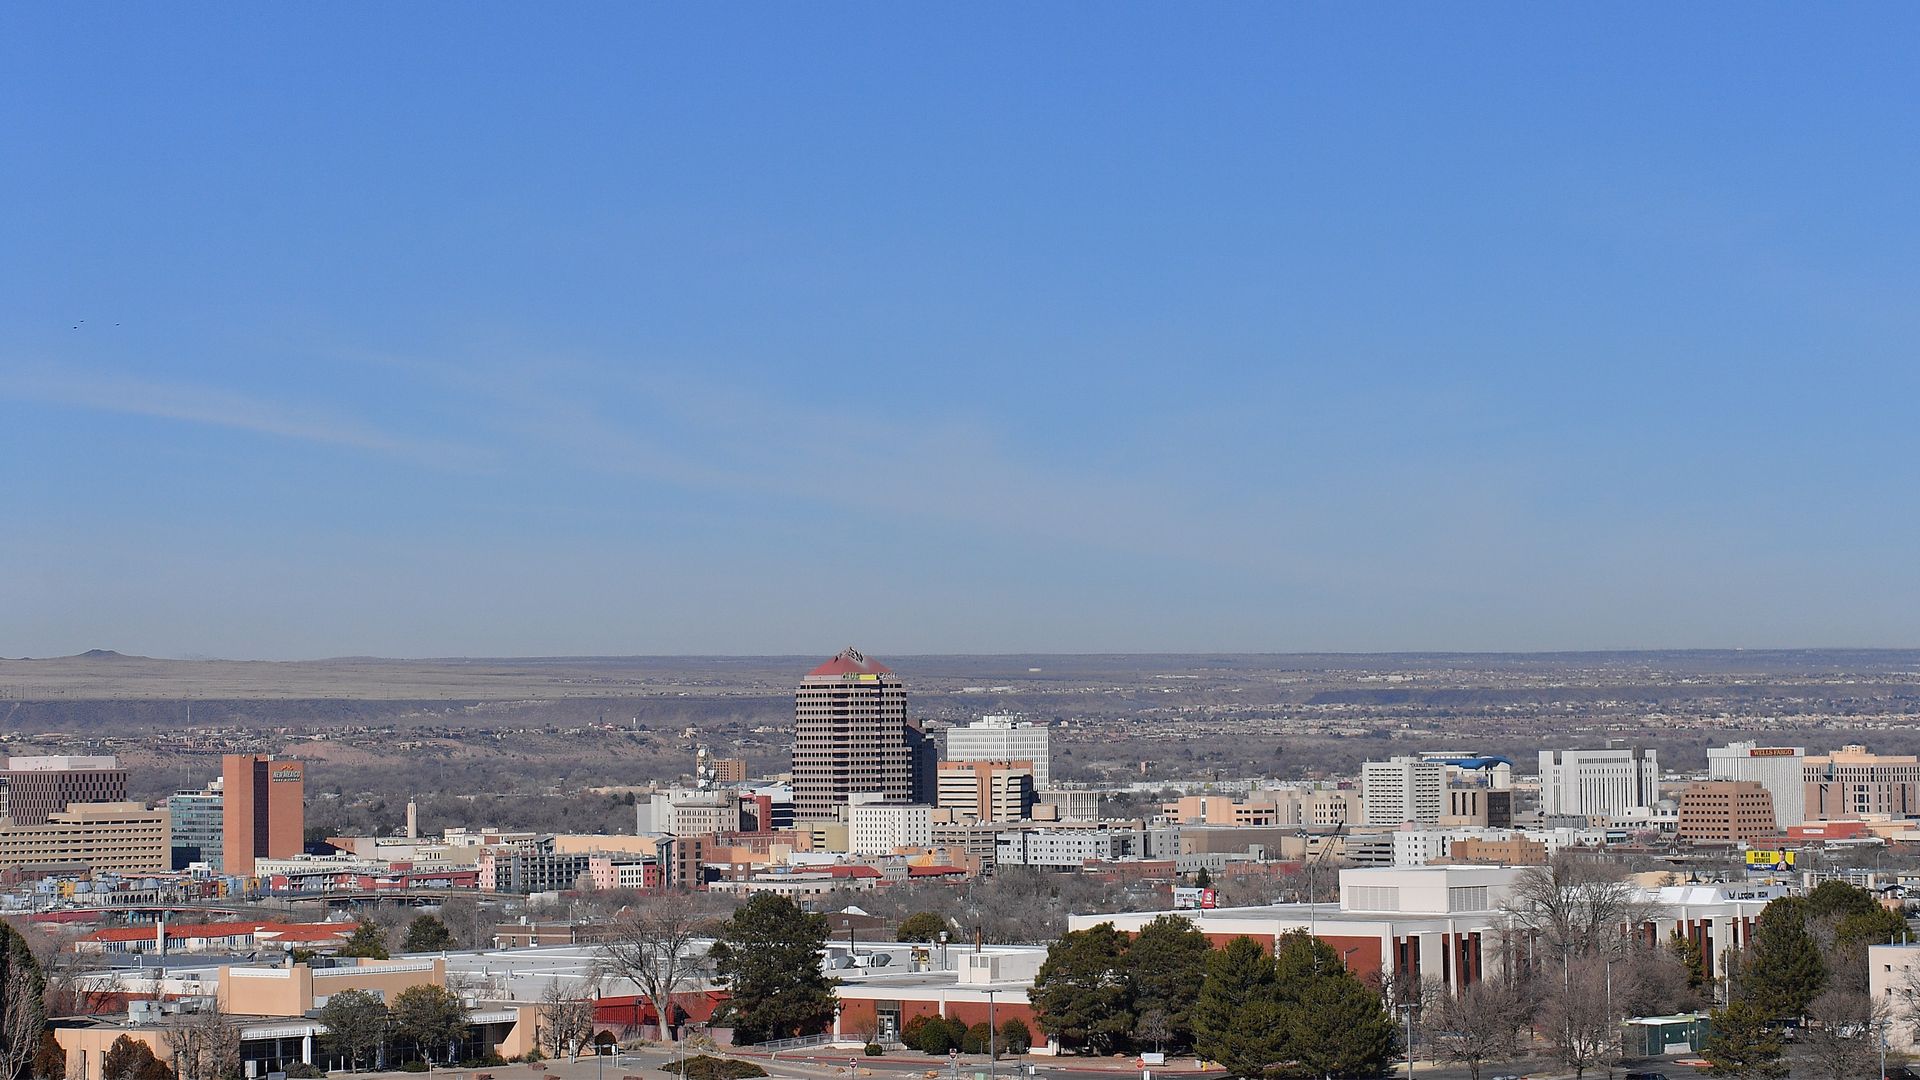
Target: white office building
879,828
1598,782
1002,738
1782,770
1402,790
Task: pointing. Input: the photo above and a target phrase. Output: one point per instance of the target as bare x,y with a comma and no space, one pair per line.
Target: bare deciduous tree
471,924
1651,981
654,945
1481,1023
1841,1039
1577,1015
1574,905
205,1045
566,1022
21,1014
1584,925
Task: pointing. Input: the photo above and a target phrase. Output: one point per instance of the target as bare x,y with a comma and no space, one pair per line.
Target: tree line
1295,1012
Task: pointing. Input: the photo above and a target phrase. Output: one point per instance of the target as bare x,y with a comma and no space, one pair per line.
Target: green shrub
936,1035
1015,1036
300,1070
706,1067
533,1056
875,1050
975,1041
415,1066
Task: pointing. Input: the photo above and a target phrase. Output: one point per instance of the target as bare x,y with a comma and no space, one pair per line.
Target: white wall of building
1002,738
1402,790
1782,770
1593,782
877,828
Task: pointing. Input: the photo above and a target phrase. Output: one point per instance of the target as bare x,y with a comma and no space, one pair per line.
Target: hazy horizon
886,657
463,331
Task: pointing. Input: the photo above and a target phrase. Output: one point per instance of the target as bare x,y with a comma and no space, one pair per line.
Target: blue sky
428,330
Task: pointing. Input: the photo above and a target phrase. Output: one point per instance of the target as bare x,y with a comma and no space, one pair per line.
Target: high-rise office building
1782,770
1403,789
199,826
263,815
849,737
923,762
1598,783
1002,738
37,787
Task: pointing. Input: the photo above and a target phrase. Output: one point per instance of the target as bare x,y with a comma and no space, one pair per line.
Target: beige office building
121,836
849,737
987,790
1850,782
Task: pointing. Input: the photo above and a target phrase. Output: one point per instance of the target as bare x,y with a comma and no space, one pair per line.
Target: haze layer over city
1253,542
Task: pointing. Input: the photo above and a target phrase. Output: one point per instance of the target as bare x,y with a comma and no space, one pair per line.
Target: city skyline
623,332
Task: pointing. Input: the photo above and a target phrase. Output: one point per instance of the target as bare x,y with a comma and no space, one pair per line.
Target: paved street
812,1064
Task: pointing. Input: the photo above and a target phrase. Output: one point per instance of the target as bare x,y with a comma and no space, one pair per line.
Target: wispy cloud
686,429
221,407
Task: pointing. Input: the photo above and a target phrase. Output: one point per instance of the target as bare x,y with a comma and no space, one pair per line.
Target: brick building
1725,811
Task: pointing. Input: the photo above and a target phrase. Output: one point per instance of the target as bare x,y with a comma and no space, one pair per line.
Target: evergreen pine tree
1168,963
1334,1024
367,942
1083,993
1744,1044
768,957
1785,972
1688,952
1237,1020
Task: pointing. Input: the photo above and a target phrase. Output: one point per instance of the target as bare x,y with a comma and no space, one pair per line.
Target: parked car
1646,1076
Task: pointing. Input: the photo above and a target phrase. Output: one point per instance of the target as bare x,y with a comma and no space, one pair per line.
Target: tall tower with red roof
849,736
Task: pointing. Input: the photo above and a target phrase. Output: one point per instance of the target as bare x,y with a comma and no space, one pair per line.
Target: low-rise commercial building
1449,923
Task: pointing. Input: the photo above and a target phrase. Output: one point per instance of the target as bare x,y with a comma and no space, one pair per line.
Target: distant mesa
102,654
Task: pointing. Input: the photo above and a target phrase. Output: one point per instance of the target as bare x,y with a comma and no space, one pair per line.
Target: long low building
1446,923
128,837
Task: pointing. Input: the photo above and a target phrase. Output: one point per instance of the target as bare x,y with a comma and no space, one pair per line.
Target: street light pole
1408,1009
992,1051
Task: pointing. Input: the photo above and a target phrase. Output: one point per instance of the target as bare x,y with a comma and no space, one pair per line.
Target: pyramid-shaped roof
851,662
